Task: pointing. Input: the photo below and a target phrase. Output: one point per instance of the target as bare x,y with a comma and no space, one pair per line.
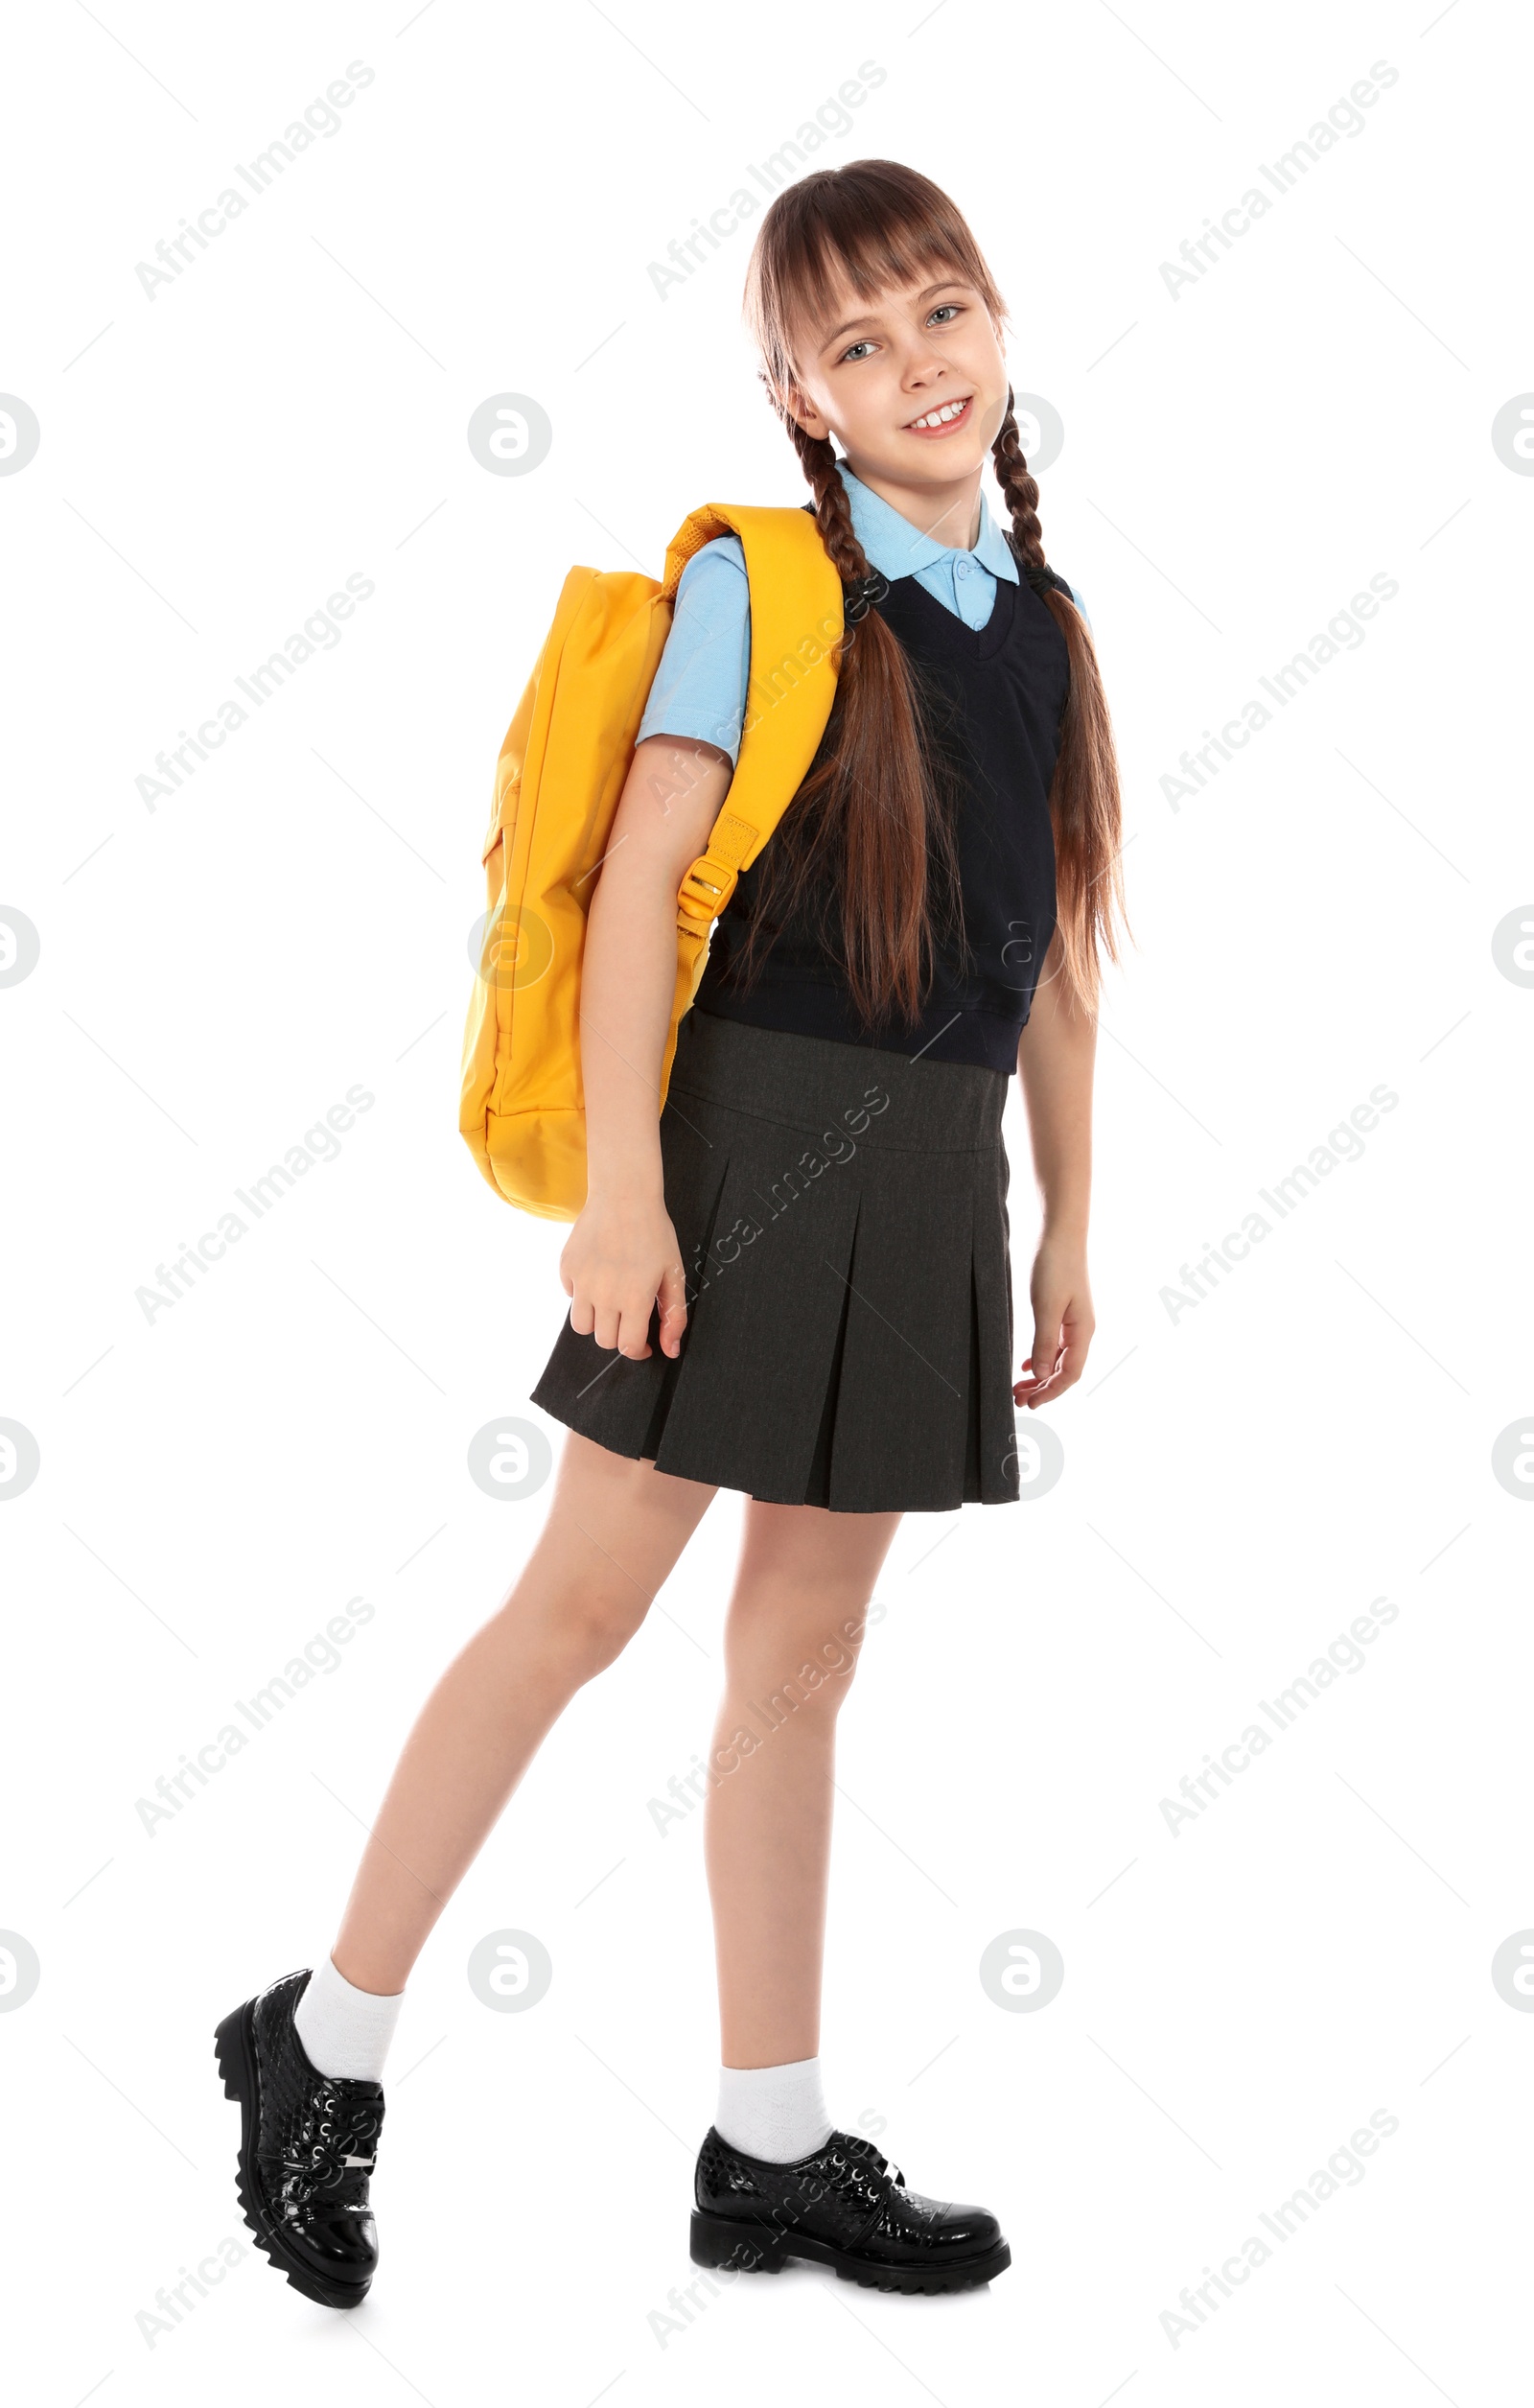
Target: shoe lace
879,2161
338,2140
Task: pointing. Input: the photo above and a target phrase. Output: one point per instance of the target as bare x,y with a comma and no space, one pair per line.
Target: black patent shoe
843,2206
306,2146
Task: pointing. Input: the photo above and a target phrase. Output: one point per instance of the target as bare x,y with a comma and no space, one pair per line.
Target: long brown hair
874,816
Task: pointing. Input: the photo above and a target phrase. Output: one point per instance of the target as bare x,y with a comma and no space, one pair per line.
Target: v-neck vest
995,696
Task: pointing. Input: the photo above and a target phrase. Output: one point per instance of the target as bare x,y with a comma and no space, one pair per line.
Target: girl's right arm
623,1252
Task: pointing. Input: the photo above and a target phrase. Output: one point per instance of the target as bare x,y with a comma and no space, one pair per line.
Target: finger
582,1315
605,1325
1069,1364
633,1329
1073,1362
673,1302
1064,1376
1033,1386
1049,1341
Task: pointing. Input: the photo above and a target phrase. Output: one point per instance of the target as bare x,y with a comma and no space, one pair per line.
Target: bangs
865,229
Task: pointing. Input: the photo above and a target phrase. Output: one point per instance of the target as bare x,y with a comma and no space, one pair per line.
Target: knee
800,1647
596,1626
834,1647
579,1628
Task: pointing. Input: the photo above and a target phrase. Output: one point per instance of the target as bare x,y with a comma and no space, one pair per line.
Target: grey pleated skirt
841,1215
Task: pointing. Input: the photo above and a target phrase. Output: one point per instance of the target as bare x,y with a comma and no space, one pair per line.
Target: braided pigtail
875,819
1084,804
872,820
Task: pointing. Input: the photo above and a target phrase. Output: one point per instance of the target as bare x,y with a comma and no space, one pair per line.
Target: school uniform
839,1193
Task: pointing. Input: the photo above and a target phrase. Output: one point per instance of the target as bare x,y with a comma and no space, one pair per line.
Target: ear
804,414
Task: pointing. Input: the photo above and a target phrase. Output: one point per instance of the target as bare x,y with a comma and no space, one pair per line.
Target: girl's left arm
1054,1060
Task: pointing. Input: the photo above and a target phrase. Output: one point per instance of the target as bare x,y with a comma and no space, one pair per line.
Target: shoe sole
730,2247
234,2045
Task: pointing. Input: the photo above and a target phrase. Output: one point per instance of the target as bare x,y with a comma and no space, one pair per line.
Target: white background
1240,1481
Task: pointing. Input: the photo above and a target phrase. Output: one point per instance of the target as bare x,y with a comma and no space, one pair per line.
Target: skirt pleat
764,1316
841,1213
908,1335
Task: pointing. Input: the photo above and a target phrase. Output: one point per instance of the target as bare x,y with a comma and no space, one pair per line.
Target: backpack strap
796,630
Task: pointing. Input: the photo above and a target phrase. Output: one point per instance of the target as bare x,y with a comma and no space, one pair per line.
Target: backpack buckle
707,888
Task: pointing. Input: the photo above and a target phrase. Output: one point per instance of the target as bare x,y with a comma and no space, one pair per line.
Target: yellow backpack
558,781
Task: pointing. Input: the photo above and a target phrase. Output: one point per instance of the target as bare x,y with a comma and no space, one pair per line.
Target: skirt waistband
820,1088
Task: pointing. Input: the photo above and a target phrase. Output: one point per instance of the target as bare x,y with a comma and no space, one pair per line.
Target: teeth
940,417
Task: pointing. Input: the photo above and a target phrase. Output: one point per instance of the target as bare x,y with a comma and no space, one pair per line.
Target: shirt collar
896,549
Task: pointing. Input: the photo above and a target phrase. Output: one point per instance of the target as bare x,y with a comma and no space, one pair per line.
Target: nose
923,361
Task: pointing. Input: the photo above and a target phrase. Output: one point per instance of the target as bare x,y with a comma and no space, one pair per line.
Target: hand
1062,1322
621,1257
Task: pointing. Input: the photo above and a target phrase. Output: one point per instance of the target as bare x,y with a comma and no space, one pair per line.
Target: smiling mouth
943,419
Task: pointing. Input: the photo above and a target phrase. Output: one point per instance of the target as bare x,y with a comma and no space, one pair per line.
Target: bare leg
614,1531
803,1582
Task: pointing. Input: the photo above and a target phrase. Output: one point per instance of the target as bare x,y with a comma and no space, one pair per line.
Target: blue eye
950,306
854,349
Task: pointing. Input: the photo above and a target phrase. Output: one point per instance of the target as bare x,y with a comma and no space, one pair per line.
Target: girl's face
913,383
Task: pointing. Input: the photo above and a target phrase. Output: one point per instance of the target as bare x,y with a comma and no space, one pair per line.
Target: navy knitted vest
995,696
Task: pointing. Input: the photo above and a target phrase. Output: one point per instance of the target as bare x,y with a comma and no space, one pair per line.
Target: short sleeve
700,687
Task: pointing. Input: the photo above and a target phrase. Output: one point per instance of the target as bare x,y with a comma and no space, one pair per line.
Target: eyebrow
926,291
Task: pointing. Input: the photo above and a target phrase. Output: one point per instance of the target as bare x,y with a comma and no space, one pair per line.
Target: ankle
344,2029
776,2113
374,1975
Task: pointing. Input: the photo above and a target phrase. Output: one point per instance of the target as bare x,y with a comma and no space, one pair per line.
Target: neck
949,512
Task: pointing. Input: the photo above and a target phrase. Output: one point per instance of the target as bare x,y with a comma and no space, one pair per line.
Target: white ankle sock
773,2112
345,2031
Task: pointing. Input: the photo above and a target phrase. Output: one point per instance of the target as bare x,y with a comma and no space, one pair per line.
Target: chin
942,462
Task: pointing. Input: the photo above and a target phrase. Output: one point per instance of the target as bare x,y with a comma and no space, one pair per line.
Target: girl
797,1284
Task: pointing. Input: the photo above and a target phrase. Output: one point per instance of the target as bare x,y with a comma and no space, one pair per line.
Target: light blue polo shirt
700,687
